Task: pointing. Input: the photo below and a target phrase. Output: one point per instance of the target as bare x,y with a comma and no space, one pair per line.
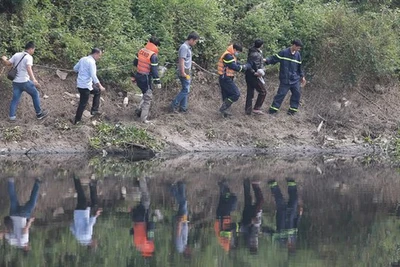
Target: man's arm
28,225
93,74
154,69
182,67
301,74
77,66
230,62
31,75
6,61
272,60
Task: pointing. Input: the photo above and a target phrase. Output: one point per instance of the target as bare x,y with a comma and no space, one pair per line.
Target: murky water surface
203,210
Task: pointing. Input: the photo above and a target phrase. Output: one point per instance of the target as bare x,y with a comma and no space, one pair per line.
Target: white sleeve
29,60
12,60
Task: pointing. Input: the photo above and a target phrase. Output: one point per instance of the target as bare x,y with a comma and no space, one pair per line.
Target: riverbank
349,123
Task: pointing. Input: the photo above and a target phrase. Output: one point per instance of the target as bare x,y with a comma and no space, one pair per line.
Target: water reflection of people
20,221
82,226
287,214
142,223
251,216
181,223
225,229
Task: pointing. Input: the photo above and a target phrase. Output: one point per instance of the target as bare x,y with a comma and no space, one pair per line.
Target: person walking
181,223
143,224
250,225
87,76
291,77
147,72
254,79
180,103
24,81
226,231
287,214
227,66
83,223
20,221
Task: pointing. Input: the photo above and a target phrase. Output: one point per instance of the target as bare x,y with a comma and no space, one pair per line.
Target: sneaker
42,114
258,112
96,113
272,183
75,122
138,112
38,180
173,109
12,120
272,111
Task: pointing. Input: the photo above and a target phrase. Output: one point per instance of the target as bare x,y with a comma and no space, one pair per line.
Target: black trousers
83,100
82,202
250,210
253,83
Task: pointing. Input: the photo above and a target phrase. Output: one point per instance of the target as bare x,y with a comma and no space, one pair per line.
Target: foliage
121,136
12,134
356,39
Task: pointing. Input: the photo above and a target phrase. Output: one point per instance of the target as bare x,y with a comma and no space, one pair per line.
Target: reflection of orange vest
142,244
223,232
222,69
144,56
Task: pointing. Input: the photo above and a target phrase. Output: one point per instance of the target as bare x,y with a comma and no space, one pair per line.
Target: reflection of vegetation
124,137
121,167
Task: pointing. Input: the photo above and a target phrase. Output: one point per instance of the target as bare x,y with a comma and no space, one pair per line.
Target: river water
163,212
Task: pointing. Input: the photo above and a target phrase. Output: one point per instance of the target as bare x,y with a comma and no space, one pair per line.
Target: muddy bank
354,126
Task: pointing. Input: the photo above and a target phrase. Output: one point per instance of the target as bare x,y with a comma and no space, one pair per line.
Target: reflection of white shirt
22,74
17,238
82,227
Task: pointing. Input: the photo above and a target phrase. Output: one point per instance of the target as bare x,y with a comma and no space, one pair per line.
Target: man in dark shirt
287,214
291,77
255,82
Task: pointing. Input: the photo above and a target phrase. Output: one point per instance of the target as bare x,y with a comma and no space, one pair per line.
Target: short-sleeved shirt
22,72
17,237
185,52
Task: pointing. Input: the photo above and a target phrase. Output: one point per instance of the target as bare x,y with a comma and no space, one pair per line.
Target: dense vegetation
354,39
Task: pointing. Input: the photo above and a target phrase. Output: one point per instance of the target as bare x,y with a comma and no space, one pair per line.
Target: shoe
138,112
75,122
12,120
183,110
173,109
38,180
258,112
272,111
11,179
96,113
42,114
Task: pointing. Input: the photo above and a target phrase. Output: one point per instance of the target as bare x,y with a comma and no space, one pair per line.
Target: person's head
96,53
8,223
237,48
192,38
30,47
296,45
258,43
154,40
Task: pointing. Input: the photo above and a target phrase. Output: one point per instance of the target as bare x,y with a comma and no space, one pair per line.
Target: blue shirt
185,52
86,69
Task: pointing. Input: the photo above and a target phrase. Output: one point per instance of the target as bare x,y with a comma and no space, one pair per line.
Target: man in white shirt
20,221
87,76
82,226
24,81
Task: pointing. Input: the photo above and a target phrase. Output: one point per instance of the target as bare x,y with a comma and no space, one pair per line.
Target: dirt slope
202,128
